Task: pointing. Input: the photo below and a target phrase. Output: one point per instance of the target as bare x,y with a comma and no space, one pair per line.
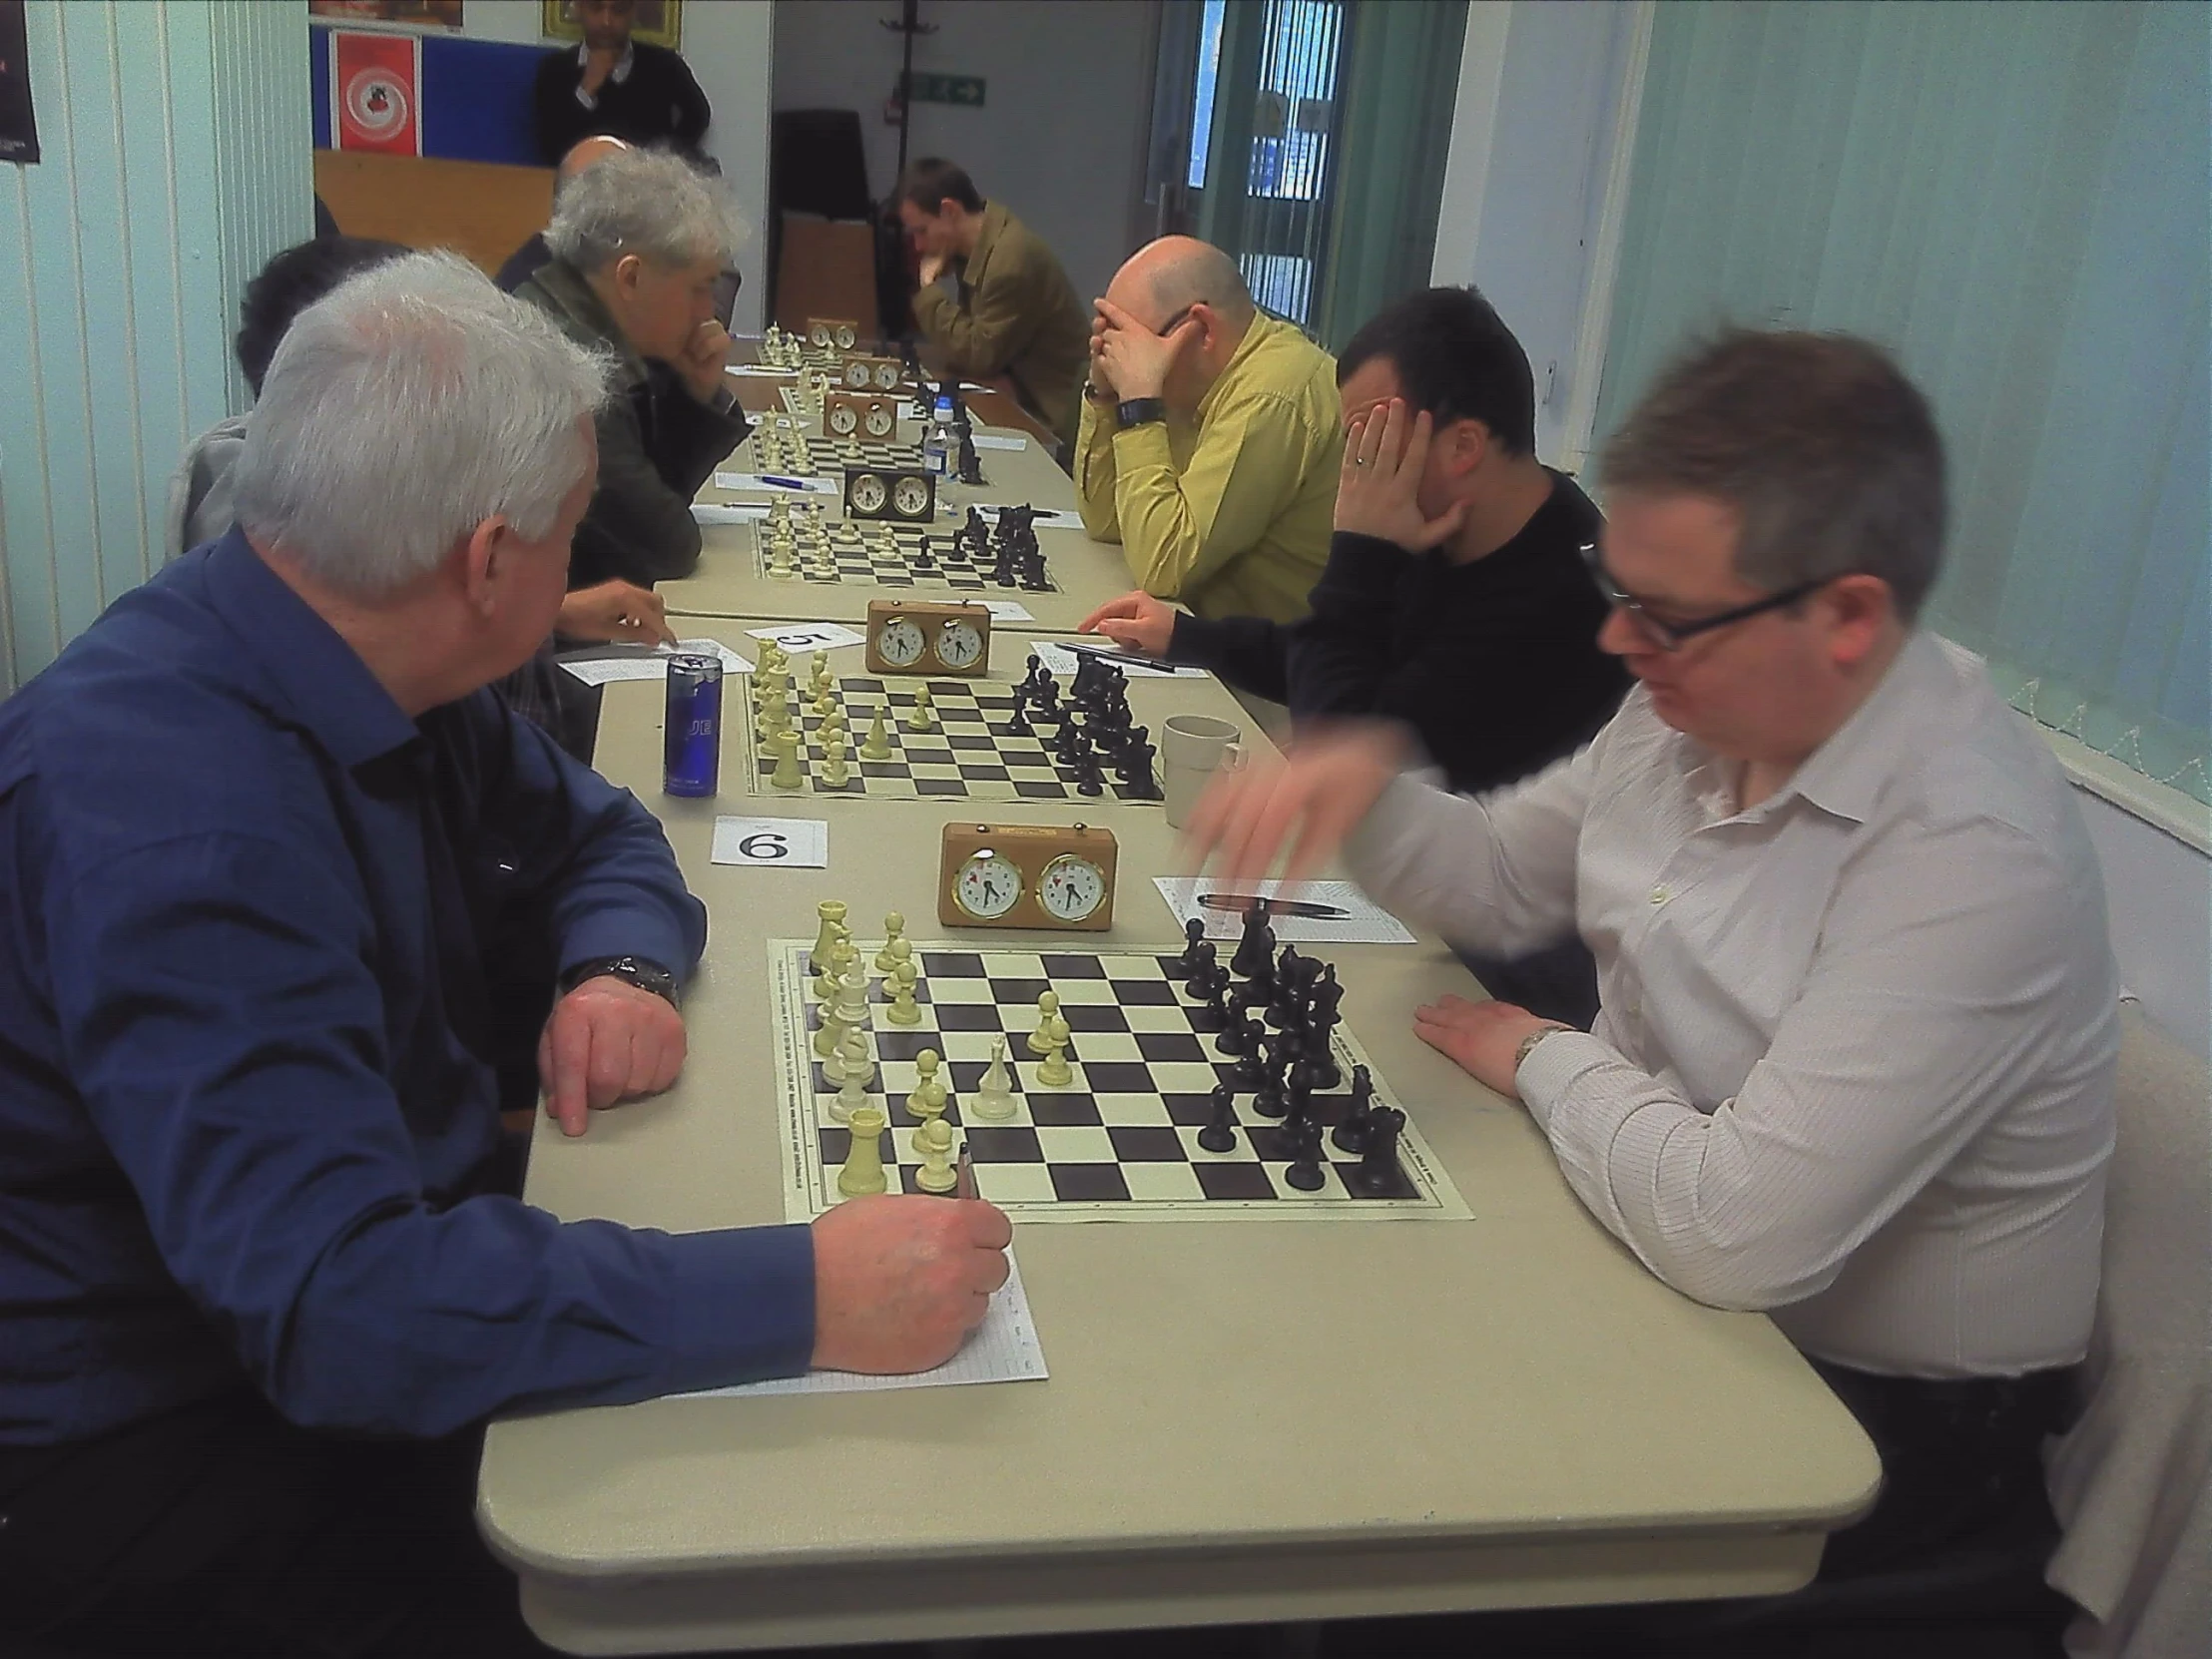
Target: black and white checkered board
881,555
970,756
829,455
1118,1144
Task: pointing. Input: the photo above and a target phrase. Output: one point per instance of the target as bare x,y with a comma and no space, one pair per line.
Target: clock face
911,497
881,420
847,337
857,375
886,376
959,643
1072,887
986,885
867,493
844,419
819,334
898,642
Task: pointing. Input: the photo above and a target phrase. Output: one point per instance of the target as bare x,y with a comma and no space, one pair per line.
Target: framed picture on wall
414,14
656,22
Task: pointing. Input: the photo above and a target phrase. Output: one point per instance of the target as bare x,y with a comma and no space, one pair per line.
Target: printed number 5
767,845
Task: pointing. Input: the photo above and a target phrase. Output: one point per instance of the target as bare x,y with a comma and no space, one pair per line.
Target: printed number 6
768,845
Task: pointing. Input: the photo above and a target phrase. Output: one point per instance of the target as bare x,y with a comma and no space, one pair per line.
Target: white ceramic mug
1192,747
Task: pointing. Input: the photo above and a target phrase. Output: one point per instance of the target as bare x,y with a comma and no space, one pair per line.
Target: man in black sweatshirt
1456,599
609,83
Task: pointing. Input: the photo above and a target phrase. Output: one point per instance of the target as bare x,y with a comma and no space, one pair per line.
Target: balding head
584,151
1167,277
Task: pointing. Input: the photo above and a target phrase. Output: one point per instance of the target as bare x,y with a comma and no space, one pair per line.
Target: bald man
524,262
1211,437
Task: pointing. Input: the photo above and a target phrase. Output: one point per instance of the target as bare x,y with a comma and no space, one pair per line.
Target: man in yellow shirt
1211,437
993,300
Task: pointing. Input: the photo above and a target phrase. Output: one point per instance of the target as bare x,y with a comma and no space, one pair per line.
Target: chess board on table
781,445
882,555
1119,1143
970,756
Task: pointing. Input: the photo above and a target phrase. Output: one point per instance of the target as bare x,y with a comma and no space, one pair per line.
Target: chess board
1119,1143
970,756
780,446
881,555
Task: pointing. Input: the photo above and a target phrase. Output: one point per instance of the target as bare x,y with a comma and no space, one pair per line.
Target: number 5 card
772,842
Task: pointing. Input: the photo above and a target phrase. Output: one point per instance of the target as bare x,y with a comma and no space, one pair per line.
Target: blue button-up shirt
247,1033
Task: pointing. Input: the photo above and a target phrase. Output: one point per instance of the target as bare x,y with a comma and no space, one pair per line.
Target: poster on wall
376,92
414,14
18,126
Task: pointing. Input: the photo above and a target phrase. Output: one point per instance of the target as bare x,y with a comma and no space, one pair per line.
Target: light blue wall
176,158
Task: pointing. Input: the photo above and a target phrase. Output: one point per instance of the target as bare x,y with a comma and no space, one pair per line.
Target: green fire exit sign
966,90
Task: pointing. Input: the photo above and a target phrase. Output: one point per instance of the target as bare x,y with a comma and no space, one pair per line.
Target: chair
2131,1482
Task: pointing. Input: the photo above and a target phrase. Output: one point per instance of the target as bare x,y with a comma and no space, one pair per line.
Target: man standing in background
612,84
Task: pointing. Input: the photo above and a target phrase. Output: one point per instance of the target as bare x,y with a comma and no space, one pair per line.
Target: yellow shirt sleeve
1177,531
1094,472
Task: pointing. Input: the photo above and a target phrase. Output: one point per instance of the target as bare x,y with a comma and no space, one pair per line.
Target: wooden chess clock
832,334
927,636
1059,876
899,495
847,415
871,373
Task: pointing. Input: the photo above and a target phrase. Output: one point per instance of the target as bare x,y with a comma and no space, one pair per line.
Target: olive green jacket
1016,314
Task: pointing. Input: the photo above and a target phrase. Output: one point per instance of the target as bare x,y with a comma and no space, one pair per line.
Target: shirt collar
621,70
323,684
1847,773
570,290
1262,325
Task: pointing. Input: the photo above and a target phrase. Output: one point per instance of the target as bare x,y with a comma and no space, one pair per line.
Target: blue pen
787,483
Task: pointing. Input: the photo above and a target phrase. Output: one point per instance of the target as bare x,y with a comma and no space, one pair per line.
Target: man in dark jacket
640,242
610,83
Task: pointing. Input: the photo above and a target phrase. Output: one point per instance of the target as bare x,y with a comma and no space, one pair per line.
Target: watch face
986,885
847,337
1072,887
911,497
844,419
881,420
857,375
898,642
959,643
886,376
867,493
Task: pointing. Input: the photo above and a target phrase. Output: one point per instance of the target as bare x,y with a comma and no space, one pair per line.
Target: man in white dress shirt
1854,1057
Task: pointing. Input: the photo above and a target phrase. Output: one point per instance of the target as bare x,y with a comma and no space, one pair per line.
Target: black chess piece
1298,1092
1304,1144
1377,1174
1351,1134
1137,770
1320,1020
1203,967
1215,1013
1256,948
1088,778
1240,1036
1194,934
1270,1100
1219,1133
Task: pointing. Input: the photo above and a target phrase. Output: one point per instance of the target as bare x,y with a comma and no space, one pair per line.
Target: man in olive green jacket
993,300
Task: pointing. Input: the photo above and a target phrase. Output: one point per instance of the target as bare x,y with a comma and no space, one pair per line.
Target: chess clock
871,373
1049,875
927,636
901,495
832,334
847,415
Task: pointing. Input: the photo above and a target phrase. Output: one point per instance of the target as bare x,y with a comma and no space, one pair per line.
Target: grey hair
1202,275
402,410
644,201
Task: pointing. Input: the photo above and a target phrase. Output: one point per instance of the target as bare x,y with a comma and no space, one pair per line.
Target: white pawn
923,717
904,1010
925,1073
993,1100
933,1140
1049,1023
894,925
834,773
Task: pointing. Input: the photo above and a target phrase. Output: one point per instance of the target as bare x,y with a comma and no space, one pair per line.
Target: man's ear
627,270
1466,444
1860,608
483,562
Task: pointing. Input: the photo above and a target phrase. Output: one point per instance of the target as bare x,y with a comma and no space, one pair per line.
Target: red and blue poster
376,92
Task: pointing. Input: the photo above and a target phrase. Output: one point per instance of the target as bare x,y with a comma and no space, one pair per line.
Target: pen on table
1104,654
964,1186
1240,902
782,483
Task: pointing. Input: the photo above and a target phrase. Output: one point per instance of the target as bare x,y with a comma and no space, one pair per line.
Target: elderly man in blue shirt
272,862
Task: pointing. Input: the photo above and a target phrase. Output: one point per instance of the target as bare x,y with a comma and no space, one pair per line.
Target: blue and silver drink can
692,752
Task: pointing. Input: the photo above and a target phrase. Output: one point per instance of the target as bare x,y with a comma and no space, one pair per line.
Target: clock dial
881,420
844,421
867,493
986,885
1072,887
886,376
847,337
959,643
819,334
898,642
911,497
856,375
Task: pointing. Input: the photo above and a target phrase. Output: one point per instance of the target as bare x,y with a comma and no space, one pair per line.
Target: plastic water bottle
938,446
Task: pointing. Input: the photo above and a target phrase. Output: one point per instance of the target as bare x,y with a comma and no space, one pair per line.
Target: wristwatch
1529,1042
1100,394
646,975
1138,410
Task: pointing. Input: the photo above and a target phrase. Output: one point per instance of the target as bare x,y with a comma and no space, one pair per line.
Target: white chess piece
903,1009
832,913
864,1162
933,1140
922,716
876,746
993,1100
856,1068
925,1073
1039,1041
834,773
894,925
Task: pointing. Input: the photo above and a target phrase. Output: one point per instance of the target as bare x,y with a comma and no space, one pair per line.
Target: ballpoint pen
1104,654
964,1186
1240,902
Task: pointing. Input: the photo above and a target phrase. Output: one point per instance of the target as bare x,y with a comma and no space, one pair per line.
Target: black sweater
658,102
1495,664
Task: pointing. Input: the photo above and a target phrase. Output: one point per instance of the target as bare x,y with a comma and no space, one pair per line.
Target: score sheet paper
1003,1349
1363,923
599,664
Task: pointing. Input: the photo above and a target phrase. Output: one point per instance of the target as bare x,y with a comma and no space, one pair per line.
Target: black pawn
1304,1171
1016,725
1214,1015
1194,934
1351,1134
1270,1100
1219,1133
1200,973
1237,1036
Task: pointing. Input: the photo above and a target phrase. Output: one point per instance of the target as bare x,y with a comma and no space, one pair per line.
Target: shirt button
1658,896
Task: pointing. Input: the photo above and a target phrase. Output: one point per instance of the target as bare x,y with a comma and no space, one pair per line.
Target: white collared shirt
619,74
1853,1062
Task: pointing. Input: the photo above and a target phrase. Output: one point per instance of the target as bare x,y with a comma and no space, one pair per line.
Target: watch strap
1529,1042
640,971
1137,411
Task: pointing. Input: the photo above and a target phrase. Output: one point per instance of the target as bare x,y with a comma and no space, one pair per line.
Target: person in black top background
615,85
1456,599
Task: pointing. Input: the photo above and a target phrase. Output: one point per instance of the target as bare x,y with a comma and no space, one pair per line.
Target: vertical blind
2015,199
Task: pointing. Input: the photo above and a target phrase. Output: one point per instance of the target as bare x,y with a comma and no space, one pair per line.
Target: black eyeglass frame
1672,635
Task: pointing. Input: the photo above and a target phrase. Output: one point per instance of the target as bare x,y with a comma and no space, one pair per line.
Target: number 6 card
772,842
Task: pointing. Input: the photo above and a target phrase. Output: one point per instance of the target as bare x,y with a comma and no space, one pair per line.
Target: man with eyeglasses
1209,438
1854,1053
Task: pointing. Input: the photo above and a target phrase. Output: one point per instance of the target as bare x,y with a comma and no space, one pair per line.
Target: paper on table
776,484
1364,921
1007,610
1003,1349
714,512
1042,518
992,440
808,636
600,663
762,370
772,842
1061,657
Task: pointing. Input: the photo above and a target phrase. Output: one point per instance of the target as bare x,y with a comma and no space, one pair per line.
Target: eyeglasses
1672,635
